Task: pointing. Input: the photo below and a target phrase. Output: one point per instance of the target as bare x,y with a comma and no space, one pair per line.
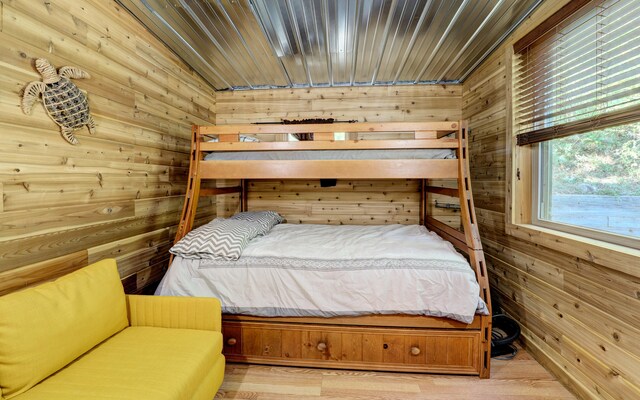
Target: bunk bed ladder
194,191
472,236
468,240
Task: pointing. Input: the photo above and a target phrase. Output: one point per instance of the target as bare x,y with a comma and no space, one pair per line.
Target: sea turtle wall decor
65,103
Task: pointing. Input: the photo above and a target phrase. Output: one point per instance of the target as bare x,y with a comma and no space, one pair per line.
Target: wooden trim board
319,169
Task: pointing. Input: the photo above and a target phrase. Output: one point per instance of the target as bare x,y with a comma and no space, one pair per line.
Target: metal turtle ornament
65,103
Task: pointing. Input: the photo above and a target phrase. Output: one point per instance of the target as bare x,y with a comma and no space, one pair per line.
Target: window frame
518,221
519,201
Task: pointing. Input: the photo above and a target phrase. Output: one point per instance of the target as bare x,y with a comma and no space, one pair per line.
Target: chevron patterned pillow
220,238
266,219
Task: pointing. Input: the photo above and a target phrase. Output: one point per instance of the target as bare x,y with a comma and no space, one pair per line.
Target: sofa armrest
175,312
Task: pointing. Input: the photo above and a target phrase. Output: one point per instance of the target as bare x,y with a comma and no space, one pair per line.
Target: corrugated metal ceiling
248,44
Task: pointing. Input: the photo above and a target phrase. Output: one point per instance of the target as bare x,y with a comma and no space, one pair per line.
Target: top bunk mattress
386,154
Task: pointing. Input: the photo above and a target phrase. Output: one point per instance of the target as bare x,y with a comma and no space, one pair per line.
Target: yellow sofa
81,337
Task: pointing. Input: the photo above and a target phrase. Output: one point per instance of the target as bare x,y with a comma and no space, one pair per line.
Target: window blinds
580,74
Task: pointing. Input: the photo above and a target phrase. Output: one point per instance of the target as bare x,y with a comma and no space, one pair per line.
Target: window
590,183
576,109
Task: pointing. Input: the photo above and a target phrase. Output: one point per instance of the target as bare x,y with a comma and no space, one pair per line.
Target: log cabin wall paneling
579,317
119,192
349,202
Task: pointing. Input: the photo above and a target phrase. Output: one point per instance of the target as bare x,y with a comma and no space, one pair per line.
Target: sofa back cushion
44,328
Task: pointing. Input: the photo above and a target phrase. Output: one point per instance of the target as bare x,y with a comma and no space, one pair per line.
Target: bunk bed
411,343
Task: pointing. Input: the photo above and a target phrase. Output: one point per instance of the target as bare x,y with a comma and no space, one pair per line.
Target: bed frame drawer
350,347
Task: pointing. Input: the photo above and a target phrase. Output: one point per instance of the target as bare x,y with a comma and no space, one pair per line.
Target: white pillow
265,219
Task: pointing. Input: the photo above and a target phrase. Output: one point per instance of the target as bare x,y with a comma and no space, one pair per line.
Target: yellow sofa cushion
44,328
202,313
141,363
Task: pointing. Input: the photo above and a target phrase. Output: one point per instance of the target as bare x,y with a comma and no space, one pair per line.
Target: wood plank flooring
519,379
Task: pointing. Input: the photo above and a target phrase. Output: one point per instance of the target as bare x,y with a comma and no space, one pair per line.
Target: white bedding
386,154
336,270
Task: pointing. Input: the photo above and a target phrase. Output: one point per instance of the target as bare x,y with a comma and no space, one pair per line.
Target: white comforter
329,270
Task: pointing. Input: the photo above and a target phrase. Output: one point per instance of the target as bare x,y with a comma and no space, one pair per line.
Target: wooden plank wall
120,191
579,318
349,202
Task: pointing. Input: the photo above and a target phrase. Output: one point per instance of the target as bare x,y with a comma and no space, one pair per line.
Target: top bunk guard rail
444,127
426,135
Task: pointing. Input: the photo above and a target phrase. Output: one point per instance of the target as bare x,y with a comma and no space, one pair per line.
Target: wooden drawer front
262,342
429,348
354,347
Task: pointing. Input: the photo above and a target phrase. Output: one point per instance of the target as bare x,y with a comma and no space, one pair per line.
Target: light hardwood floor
519,379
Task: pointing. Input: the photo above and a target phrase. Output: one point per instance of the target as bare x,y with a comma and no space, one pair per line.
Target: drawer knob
232,341
322,346
415,351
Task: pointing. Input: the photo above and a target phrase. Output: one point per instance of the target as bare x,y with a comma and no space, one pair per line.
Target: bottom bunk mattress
303,270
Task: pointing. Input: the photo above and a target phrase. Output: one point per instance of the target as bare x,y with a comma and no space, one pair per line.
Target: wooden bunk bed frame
376,342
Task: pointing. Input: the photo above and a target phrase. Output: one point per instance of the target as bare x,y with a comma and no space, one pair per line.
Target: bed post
244,195
423,201
193,189
472,236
